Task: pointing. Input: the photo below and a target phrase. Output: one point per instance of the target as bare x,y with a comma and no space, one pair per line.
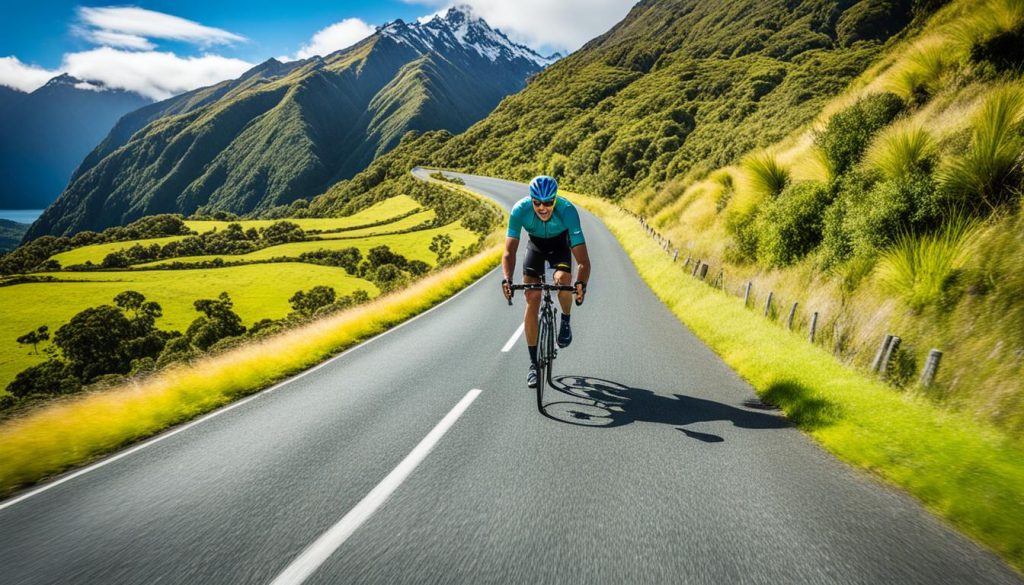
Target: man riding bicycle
555,238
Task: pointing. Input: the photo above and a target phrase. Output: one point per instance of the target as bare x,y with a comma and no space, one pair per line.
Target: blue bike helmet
543,188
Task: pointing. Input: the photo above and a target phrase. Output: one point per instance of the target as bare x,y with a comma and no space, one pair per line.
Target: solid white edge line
322,548
231,406
515,337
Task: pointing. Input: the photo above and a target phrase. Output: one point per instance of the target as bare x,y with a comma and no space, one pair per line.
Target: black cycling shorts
555,251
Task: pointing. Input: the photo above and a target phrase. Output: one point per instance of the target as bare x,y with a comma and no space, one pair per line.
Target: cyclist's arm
508,259
582,263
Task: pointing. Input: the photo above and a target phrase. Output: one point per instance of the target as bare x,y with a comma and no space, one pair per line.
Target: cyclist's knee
562,277
533,298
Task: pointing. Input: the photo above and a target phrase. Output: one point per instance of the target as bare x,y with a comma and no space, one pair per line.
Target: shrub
765,175
890,208
989,173
790,226
900,151
919,75
849,131
919,268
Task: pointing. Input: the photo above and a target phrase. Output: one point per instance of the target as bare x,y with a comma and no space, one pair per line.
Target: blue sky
162,47
41,31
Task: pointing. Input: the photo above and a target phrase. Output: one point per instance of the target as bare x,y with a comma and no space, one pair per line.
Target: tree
35,338
307,303
92,341
218,321
441,244
282,232
382,255
51,377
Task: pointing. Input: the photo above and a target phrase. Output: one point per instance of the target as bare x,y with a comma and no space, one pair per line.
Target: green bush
789,227
848,132
890,208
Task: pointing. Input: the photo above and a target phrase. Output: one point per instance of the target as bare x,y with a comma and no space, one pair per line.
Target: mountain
677,88
45,134
11,233
8,97
285,131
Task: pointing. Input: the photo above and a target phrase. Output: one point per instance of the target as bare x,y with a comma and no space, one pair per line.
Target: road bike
546,349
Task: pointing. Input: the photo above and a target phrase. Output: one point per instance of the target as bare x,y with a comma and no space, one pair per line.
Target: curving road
419,457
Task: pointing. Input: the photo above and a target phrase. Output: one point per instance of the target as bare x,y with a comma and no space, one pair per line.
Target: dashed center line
315,554
512,340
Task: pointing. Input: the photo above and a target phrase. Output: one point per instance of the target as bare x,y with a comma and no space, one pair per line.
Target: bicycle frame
546,351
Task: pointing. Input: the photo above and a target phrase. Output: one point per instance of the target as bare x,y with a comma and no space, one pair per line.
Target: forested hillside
678,88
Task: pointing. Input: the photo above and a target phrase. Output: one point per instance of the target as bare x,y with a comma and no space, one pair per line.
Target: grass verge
61,435
971,475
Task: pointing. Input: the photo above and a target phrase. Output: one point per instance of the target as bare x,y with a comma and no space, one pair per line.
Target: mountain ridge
45,133
285,131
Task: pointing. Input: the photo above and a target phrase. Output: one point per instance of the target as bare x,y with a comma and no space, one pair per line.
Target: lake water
21,215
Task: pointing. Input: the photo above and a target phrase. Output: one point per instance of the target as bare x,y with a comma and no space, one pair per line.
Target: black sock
533,353
565,317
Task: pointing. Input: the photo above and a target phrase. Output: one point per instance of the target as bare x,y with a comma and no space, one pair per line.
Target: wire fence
886,364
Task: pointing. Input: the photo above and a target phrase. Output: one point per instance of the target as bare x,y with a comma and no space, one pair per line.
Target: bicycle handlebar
540,286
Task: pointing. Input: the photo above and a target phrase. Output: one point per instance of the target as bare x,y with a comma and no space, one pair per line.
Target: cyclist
555,238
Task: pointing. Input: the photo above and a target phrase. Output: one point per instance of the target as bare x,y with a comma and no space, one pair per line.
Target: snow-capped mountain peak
461,28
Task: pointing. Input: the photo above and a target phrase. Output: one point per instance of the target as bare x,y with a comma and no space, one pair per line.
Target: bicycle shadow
604,403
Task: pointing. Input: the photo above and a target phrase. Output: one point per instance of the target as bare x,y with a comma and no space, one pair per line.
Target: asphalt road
420,457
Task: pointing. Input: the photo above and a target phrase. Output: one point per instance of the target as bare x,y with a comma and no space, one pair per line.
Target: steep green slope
678,87
897,211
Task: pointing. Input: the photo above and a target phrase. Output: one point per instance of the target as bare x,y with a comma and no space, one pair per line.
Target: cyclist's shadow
603,403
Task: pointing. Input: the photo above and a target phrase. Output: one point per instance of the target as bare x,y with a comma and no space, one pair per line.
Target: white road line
512,340
231,406
315,554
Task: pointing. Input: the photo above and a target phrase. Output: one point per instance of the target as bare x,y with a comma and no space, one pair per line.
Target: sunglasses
549,203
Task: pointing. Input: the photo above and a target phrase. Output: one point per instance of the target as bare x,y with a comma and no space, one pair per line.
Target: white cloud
158,75
565,25
115,39
122,22
14,73
339,35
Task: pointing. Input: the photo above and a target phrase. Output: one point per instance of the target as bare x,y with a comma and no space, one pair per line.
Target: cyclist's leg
560,259
533,269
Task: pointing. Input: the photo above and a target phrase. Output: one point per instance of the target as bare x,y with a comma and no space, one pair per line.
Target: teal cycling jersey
563,218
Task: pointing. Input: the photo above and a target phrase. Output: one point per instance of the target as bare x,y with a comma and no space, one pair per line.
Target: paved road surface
332,478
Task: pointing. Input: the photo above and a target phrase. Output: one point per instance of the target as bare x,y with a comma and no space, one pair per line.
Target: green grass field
412,245
387,209
258,291
394,226
97,252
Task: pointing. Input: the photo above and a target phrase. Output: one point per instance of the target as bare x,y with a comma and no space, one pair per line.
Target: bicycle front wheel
544,348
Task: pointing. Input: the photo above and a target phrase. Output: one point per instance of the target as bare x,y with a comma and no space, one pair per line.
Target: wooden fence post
894,345
675,256
792,313
746,294
814,326
703,270
768,303
877,362
931,367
